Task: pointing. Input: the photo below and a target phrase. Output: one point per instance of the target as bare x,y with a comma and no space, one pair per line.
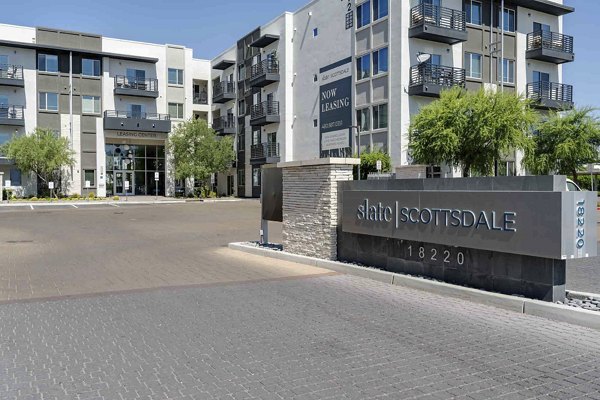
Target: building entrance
123,183
135,164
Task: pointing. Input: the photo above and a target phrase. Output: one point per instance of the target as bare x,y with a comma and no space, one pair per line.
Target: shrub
116,198
74,196
34,198
92,195
368,164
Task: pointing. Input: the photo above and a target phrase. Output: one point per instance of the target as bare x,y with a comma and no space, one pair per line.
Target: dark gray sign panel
335,103
556,225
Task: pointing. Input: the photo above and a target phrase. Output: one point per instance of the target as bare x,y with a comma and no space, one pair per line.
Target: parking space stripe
74,205
114,205
31,206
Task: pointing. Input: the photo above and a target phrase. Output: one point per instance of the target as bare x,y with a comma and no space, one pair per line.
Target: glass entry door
119,183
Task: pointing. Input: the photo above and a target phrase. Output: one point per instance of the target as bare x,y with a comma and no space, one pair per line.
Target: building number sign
349,15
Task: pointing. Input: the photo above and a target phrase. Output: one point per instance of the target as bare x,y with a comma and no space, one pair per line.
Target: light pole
357,127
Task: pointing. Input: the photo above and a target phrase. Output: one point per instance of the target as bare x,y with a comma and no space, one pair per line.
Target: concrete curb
555,312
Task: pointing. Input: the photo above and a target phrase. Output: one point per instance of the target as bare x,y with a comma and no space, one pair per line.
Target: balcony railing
550,41
555,92
222,88
11,112
11,71
222,123
442,17
264,151
136,115
436,75
201,98
264,109
270,66
128,82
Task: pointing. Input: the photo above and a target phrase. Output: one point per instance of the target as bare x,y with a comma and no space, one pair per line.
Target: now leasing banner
335,101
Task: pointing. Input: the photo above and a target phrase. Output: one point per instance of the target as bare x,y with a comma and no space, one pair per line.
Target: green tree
198,151
471,130
368,163
42,153
565,143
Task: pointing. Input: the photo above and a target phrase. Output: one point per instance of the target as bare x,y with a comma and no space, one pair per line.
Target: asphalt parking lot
147,302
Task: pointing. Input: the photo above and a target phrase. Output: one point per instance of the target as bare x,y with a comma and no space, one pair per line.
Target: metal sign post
51,187
126,189
156,177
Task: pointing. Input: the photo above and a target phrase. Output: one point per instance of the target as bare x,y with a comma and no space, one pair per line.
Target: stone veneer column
310,200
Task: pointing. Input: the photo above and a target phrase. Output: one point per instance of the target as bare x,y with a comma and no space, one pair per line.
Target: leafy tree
565,143
368,163
472,130
42,153
198,152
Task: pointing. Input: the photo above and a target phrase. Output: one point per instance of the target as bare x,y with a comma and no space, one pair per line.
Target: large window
175,76
241,177
90,67
241,142
380,61
509,20
15,177
380,9
363,66
473,65
89,175
140,162
48,101
473,9
507,70
380,116
363,14
90,104
48,63
176,110
136,75
4,137
255,177
362,119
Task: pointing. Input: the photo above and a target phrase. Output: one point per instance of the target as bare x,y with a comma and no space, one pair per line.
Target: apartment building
115,100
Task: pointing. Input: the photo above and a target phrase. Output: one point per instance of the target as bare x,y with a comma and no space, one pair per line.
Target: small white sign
212,179
156,176
126,185
50,185
379,165
7,183
87,184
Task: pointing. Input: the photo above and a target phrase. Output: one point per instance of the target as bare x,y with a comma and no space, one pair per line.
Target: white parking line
74,205
31,206
114,205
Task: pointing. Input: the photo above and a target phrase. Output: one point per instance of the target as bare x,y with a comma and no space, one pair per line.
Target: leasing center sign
555,225
335,103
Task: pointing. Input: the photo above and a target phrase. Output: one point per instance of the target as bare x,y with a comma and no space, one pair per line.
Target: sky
210,26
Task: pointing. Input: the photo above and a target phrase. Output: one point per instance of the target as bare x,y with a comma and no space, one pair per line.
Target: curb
537,308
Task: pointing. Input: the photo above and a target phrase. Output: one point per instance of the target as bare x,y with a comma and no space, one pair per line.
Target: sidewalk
122,200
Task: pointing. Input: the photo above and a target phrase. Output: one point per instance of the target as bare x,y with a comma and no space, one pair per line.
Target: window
508,66
241,142
362,119
242,107
47,63
315,32
3,100
380,9
89,175
136,75
241,72
473,65
541,76
176,110
15,177
90,104
175,76
136,110
90,67
48,101
380,116
255,177
256,136
3,59
537,27
473,11
509,20
363,14
4,138
363,67
380,61
241,177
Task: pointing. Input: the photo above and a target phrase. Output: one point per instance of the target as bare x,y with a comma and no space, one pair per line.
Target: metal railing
11,71
443,17
224,122
269,66
550,91
128,82
136,115
11,112
549,40
436,74
224,87
264,150
264,109
201,98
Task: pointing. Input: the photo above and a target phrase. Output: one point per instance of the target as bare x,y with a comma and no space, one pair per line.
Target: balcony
264,73
201,98
264,153
264,113
550,95
137,122
438,24
11,115
129,86
11,75
429,80
223,92
550,47
224,125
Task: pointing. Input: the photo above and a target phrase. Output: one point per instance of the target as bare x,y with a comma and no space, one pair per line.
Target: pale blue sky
210,27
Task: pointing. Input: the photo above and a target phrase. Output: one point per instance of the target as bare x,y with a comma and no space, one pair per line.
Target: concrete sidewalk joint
556,312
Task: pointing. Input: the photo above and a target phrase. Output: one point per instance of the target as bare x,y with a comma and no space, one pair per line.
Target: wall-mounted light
310,13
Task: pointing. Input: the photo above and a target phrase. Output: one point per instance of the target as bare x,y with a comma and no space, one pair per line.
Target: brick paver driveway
248,328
